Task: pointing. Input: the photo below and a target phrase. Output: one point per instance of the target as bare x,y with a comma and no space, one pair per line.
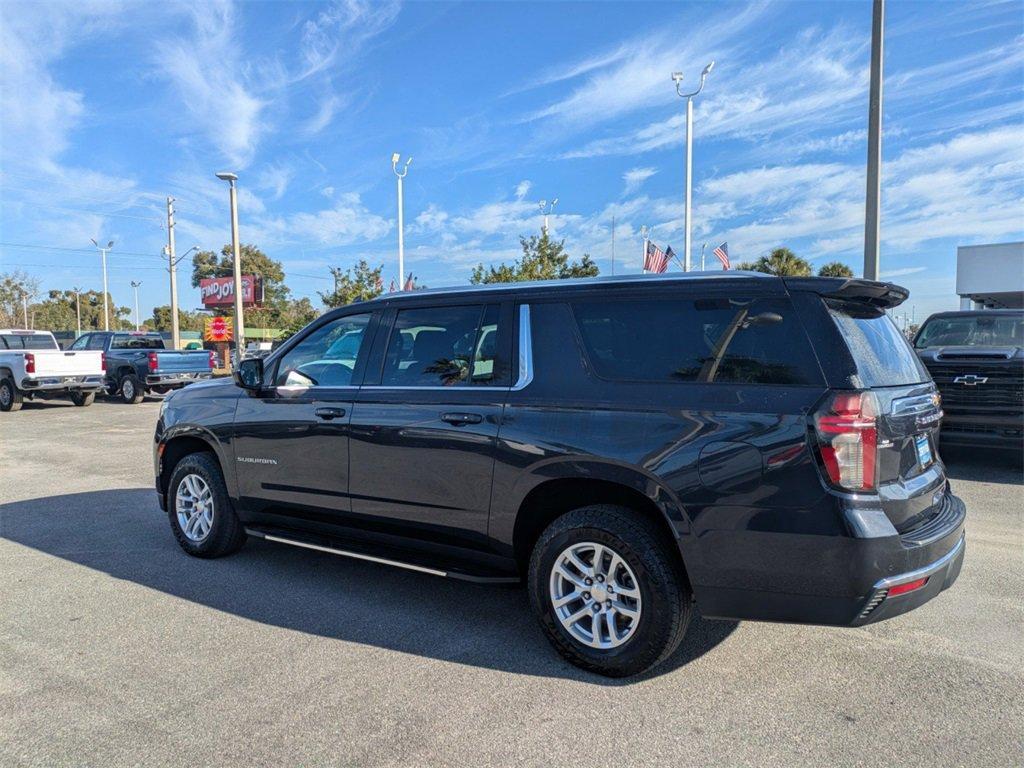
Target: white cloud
635,177
275,178
523,189
347,222
432,219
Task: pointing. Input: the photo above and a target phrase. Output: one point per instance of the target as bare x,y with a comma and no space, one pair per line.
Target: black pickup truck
977,360
138,363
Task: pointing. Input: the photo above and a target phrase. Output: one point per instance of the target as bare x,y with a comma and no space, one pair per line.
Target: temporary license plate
924,450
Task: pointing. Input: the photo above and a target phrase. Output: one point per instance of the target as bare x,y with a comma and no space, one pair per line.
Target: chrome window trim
525,350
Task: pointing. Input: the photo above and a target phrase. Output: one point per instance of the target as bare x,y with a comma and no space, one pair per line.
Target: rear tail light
213,359
153,364
103,361
848,439
30,363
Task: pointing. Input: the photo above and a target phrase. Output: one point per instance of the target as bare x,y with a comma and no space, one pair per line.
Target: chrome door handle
462,418
329,413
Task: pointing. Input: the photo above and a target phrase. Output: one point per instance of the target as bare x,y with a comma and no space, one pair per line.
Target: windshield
972,331
883,355
27,341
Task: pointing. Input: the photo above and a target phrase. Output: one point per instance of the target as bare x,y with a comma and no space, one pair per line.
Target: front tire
132,391
201,514
608,591
10,397
83,399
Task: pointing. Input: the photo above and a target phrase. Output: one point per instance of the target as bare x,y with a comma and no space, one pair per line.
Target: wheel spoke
577,561
595,627
598,557
568,621
568,575
566,599
613,634
624,591
625,610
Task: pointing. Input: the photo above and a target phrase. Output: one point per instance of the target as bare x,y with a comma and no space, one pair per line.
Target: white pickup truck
32,366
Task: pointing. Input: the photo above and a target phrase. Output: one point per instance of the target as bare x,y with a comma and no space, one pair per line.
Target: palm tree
835,269
783,262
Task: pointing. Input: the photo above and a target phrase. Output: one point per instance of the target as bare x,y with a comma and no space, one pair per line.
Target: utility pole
401,215
613,243
78,311
172,265
138,322
106,310
677,77
24,306
231,178
872,213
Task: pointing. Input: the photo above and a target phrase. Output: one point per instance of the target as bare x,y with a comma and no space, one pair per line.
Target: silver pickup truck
33,366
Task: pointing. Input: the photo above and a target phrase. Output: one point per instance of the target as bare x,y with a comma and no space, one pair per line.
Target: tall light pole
703,247
546,210
24,307
872,220
231,178
401,174
106,309
644,232
136,285
677,78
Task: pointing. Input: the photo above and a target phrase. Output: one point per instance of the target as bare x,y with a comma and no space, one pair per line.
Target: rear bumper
63,384
175,380
843,580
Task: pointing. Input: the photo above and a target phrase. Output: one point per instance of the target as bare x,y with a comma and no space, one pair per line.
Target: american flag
722,252
410,283
655,260
378,284
391,288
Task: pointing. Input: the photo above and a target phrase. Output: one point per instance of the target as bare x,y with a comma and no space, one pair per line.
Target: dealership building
990,276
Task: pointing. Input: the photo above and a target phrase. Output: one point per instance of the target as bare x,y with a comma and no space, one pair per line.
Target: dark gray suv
757,447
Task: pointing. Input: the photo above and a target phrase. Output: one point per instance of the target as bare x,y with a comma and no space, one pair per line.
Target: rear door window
737,341
137,342
883,355
27,341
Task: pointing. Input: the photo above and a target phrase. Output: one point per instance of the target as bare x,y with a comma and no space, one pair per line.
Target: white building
990,276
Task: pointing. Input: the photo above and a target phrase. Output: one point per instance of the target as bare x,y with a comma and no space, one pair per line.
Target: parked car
757,447
33,366
138,363
977,361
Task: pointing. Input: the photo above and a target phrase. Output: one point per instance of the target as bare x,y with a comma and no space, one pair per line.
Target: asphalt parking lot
117,649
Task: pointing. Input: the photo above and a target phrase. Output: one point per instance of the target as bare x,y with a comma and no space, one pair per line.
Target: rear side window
137,342
737,341
27,341
883,356
444,347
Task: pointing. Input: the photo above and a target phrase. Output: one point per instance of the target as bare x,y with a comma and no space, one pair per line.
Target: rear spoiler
873,292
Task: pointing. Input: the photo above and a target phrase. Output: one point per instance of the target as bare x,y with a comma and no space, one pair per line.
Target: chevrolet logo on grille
970,380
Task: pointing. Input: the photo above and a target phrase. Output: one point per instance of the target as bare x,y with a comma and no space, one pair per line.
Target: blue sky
107,108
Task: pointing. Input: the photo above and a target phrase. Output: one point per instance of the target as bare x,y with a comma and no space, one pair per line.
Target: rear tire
132,391
201,514
10,397
650,611
83,399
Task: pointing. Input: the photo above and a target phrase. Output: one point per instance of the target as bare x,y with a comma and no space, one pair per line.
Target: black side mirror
249,373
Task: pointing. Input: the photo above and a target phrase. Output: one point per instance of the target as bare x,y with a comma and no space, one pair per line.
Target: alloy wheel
193,504
595,595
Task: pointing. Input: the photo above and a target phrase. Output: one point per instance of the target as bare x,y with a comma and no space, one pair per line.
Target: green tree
187,321
361,283
543,259
782,262
835,269
16,287
58,312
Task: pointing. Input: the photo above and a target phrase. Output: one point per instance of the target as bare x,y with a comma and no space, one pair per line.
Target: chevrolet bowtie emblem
971,380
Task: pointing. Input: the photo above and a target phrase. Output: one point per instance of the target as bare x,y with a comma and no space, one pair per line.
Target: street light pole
106,309
872,222
677,77
703,247
644,232
136,285
546,210
78,311
401,216
231,178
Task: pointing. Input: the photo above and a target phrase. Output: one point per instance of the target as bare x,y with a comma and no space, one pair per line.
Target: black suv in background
761,447
977,362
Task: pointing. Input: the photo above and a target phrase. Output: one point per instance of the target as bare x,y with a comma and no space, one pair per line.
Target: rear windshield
137,342
883,355
725,341
27,341
972,331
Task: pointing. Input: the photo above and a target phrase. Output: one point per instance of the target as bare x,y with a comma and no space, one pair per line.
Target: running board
383,560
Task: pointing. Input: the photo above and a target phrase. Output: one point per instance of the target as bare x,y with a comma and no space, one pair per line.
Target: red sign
217,329
220,291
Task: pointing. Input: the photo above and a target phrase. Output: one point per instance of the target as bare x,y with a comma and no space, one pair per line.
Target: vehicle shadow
984,465
123,533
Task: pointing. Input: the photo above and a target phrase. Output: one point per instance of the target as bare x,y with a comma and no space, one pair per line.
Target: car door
291,438
425,423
